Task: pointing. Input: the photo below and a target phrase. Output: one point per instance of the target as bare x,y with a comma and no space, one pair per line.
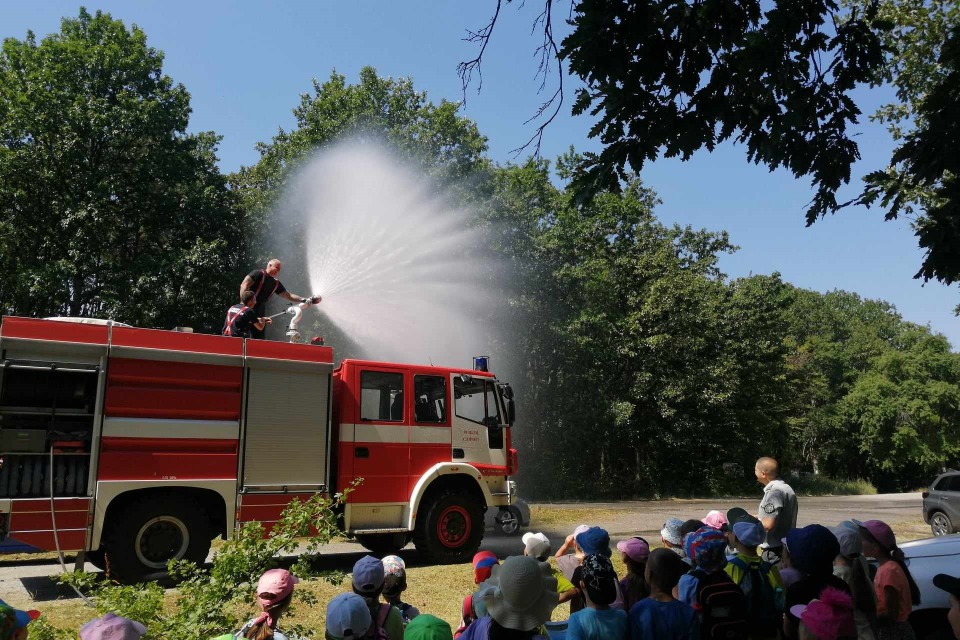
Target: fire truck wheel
383,544
451,528
152,532
97,559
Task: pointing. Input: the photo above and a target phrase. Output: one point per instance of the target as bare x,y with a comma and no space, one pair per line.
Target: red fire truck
155,442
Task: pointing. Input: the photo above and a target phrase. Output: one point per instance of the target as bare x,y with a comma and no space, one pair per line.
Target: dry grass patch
556,517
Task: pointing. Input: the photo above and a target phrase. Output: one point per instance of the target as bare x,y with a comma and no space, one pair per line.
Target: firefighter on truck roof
242,319
264,283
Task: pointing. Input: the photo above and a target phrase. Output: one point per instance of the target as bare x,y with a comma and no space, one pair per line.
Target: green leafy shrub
207,599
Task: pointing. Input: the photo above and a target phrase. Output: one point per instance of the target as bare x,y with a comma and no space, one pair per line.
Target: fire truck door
381,446
286,432
478,423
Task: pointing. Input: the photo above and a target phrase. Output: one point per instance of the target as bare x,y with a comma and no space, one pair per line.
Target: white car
926,558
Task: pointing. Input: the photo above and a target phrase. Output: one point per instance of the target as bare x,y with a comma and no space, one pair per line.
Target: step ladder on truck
156,442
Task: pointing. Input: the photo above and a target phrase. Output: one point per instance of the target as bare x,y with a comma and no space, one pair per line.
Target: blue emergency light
480,363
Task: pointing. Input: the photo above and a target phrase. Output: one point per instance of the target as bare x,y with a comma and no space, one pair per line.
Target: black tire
449,527
97,559
940,524
145,535
383,544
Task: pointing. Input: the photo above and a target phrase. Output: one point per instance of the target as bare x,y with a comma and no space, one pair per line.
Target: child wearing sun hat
394,584
633,586
13,622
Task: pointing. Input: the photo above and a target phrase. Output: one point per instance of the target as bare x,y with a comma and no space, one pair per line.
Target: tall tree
674,77
107,206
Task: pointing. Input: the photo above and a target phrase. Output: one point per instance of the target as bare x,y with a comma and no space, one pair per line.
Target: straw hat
526,595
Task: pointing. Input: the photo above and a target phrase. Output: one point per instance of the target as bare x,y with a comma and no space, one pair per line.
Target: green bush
821,485
206,598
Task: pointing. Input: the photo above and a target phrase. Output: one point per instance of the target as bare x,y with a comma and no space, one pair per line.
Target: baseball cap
751,534
830,617
881,532
536,545
715,520
813,549
671,530
112,627
15,619
948,583
395,575
594,540
851,545
348,617
483,563
637,549
367,575
275,585
738,514
393,564
427,627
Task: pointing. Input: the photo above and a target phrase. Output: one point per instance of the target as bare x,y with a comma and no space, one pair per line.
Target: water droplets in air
396,264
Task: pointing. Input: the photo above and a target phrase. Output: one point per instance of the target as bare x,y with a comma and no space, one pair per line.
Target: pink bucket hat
830,617
274,586
112,627
636,549
881,531
715,519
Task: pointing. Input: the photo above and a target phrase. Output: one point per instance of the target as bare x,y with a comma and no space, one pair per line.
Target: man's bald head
273,267
767,469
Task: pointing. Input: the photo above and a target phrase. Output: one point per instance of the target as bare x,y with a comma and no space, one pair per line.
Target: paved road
19,582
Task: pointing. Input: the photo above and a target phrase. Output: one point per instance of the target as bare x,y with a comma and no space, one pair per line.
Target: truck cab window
430,398
476,401
381,396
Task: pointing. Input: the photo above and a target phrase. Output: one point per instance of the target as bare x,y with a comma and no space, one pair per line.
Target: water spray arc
396,263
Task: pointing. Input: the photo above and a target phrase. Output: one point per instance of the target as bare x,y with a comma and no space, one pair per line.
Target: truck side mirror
511,411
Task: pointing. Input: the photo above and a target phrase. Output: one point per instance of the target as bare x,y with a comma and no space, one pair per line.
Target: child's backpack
376,631
764,603
467,616
405,612
720,603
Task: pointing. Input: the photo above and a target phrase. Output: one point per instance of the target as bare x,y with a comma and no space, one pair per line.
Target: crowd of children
721,577
708,581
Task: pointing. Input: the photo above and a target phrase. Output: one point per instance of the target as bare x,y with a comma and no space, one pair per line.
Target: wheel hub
509,522
939,525
453,527
160,540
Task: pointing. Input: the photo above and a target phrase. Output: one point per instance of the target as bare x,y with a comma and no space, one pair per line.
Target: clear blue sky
245,63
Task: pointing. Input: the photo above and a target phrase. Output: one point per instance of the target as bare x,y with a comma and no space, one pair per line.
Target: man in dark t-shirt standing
264,283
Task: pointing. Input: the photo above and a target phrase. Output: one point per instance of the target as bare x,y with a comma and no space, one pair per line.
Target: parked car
926,558
941,504
509,520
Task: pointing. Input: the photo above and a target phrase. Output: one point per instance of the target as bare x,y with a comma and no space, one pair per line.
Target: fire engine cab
135,446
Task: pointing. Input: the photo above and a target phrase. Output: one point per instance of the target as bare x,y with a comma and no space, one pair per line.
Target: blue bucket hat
595,540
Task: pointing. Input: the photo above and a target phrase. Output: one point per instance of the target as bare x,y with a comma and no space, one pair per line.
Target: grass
823,486
438,590
553,517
